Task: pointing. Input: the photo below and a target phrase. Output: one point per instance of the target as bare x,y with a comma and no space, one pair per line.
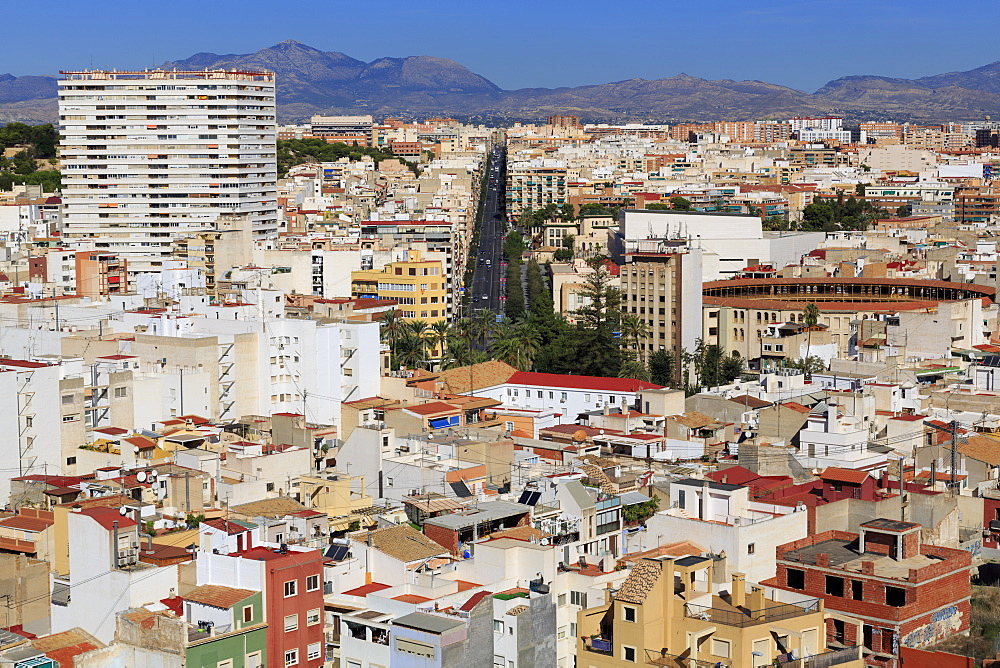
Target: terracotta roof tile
844,475
401,542
640,581
217,596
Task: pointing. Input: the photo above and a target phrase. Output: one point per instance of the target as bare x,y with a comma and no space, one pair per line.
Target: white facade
31,437
721,518
151,156
543,391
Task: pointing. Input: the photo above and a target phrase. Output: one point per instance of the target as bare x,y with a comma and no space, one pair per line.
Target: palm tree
633,369
529,342
483,326
517,344
634,328
391,327
810,316
410,350
437,335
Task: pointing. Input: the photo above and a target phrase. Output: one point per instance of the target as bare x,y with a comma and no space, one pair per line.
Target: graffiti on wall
944,623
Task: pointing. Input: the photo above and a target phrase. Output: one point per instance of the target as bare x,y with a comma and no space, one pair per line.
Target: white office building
152,156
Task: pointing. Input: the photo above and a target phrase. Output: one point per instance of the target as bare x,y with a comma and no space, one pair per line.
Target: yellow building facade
684,613
419,286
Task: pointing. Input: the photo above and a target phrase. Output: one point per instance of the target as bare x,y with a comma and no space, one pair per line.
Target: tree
902,211
661,367
810,317
391,327
516,344
437,334
680,203
562,255
658,206
633,368
808,365
638,513
633,330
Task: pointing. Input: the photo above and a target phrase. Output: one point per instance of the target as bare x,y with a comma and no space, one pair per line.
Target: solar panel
338,552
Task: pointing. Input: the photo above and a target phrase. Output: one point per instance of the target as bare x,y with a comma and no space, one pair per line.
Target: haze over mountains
312,81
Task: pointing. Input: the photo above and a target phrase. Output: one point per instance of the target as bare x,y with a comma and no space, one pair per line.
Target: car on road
485,297
489,263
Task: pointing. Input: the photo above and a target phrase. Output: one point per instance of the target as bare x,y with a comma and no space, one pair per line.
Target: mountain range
312,81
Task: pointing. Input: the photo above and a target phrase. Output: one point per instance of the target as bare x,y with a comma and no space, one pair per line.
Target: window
578,598
681,498
121,392
895,596
290,588
795,578
497,626
312,583
292,657
628,613
628,654
312,617
722,648
270,487
313,651
751,548
71,461
562,599
67,399
247,614
834,585
291,623
857,590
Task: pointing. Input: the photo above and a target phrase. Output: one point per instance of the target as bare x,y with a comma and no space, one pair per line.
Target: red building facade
885,588
293,600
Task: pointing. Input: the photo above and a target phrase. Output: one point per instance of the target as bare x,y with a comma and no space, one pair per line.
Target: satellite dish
135,449
153,473
123,511
141,476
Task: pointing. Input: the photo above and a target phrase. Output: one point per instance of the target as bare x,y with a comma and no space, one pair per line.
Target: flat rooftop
844,555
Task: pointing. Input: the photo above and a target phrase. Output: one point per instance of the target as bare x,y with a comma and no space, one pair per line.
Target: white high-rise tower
152,156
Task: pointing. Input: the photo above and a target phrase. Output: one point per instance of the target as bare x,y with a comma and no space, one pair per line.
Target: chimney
757,601
667,578
738,593
149,544
607,408
703,506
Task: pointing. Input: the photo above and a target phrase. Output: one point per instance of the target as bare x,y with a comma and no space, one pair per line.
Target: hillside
313,81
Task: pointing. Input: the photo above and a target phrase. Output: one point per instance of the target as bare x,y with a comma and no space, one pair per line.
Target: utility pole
954,455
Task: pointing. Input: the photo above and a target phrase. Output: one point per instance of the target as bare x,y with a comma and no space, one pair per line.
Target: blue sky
521,44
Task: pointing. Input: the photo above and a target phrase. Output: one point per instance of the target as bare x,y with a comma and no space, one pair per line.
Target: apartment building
656,288
149,157
682,612
535,183
100,274
344,129
886,589
419,286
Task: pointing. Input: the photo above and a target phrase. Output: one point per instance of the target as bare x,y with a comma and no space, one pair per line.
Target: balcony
662,658
833,658
732,616
598,646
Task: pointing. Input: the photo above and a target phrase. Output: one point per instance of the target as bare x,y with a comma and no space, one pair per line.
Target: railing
774,613
662,658
598,646
832,658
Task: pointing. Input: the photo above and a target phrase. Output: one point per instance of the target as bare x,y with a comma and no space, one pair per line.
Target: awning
439,423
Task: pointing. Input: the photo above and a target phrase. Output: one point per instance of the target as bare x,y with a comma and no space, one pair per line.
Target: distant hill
312,81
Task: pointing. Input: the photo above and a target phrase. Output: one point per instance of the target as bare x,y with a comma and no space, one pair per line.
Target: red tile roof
579,382
849,476
432,408
26,523
106,517
364,590
474,600
217,596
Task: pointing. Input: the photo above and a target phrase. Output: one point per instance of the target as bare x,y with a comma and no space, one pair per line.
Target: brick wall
446,538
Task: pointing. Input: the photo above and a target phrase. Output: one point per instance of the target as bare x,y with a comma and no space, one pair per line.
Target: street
487,287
